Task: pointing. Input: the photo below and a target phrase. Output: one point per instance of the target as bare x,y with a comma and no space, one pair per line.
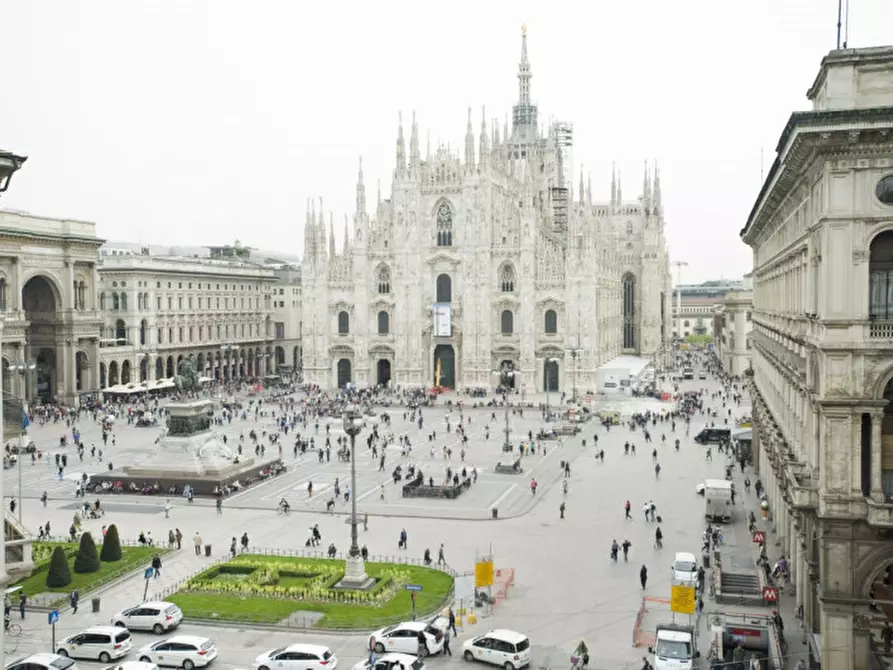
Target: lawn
268,589
131,558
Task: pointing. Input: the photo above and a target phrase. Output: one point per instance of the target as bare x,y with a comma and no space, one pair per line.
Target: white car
499,647
404,637
155,616
685,568
42,661
297,657
133,665
392,662
180,651
101,643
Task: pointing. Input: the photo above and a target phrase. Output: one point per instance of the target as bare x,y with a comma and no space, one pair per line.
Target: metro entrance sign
759,537
770,594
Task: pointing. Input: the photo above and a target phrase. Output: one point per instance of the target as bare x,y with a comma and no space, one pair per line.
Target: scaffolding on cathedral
564,142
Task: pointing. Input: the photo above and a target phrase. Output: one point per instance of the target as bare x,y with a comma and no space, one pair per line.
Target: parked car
180,651
155,616
502,647
392,662
404,636
101,643
297,657
708,435
42,662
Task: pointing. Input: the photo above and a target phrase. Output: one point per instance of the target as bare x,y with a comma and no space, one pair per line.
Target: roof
810,123
307,646
197,640
506,634
685,556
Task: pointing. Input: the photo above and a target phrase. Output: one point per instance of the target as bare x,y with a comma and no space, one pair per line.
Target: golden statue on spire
523,30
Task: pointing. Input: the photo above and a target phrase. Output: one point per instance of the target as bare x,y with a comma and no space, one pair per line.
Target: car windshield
673,649
326,655
173,609
431,630
523,645
207,644
61,663
276,652
685,566
390,629
417,665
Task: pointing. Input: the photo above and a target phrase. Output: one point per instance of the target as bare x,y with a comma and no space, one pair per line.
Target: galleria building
486,259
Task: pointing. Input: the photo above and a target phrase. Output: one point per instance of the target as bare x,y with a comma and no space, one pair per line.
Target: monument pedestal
355,577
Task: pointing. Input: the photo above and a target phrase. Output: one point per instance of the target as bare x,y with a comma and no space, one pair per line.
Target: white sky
200,122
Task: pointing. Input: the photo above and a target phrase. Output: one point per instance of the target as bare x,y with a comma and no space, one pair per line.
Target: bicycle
13,629
283,510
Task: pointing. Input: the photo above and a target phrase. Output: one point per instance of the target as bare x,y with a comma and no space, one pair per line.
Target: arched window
629,311
507,322
123,301
116,302
120,331
384,323
629,227
384,279
102,302
551,322
444,225
685,323
143,330
343,323
880,273
444,288
507,278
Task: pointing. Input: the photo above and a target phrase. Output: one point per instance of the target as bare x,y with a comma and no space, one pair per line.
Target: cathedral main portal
445,366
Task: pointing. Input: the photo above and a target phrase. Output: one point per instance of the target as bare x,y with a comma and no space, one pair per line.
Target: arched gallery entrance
102,376
344,372
508,365
39,300
445,366
383,369
550,375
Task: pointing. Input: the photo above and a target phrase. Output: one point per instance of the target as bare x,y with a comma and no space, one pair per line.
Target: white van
502,647
685,568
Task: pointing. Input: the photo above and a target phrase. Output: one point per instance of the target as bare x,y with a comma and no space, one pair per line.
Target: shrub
59,573
87,559
111,545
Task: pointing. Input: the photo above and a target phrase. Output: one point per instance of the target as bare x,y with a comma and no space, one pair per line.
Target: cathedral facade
486,259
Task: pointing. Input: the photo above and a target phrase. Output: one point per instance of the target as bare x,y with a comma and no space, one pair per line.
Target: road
566,587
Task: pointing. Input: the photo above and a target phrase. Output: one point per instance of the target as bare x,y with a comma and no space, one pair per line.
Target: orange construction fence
645,638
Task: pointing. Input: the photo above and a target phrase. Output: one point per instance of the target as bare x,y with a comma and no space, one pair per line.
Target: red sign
770,594
759,537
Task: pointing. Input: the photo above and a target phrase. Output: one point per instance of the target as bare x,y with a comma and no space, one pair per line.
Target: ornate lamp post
355,576
9,164
507,378
575,353
24,370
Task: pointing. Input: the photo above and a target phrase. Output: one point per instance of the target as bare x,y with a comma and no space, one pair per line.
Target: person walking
179,535
561,509
156,565
626,509
441,559
446,642
73,598
197,541
167,509
452,624
643,577
23,601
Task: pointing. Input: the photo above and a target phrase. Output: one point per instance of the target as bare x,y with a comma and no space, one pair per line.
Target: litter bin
584,443
494,513
95,603
705,560
207,550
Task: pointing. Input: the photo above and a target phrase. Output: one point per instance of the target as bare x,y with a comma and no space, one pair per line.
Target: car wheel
379,648
62,652
104,657
158,629
120,624
145,659
509,666
188,665
263,667
468,656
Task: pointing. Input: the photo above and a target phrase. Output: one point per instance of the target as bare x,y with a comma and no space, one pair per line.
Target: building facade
288,322
48,279
695,306
159,310
733,324
482,259
821,231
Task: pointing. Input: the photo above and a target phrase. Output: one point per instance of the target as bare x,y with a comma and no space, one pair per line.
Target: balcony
880,514
880,330
803,487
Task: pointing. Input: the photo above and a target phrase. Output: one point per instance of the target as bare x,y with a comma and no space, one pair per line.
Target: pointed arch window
551,322
384,323
629,311
507,322
444,288
343,323
384,280
444,225
507,278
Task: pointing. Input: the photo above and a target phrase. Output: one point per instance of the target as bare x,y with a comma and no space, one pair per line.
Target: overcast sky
201,122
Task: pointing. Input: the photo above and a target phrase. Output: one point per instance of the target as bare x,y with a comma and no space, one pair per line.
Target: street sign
682,599
483,574
150,572
412,587
770,594
759,537
52,616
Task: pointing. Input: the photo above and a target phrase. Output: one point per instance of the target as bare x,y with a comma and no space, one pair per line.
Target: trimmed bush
87,559
111,545
59,573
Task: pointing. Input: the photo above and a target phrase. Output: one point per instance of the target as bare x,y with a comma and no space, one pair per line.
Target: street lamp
24,370
9,164
355,576
507,378
575,353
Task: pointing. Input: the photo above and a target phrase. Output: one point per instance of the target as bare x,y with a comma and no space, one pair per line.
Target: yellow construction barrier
472,618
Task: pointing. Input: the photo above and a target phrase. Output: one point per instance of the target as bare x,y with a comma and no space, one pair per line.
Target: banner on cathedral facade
443,319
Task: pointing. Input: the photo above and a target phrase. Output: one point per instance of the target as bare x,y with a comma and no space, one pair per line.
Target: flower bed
268,589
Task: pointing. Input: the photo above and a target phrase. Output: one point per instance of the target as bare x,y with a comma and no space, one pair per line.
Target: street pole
574,390
355,576
506,375
354,539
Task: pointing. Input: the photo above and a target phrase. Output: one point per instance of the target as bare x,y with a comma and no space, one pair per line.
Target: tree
59,573
87,559
111,545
